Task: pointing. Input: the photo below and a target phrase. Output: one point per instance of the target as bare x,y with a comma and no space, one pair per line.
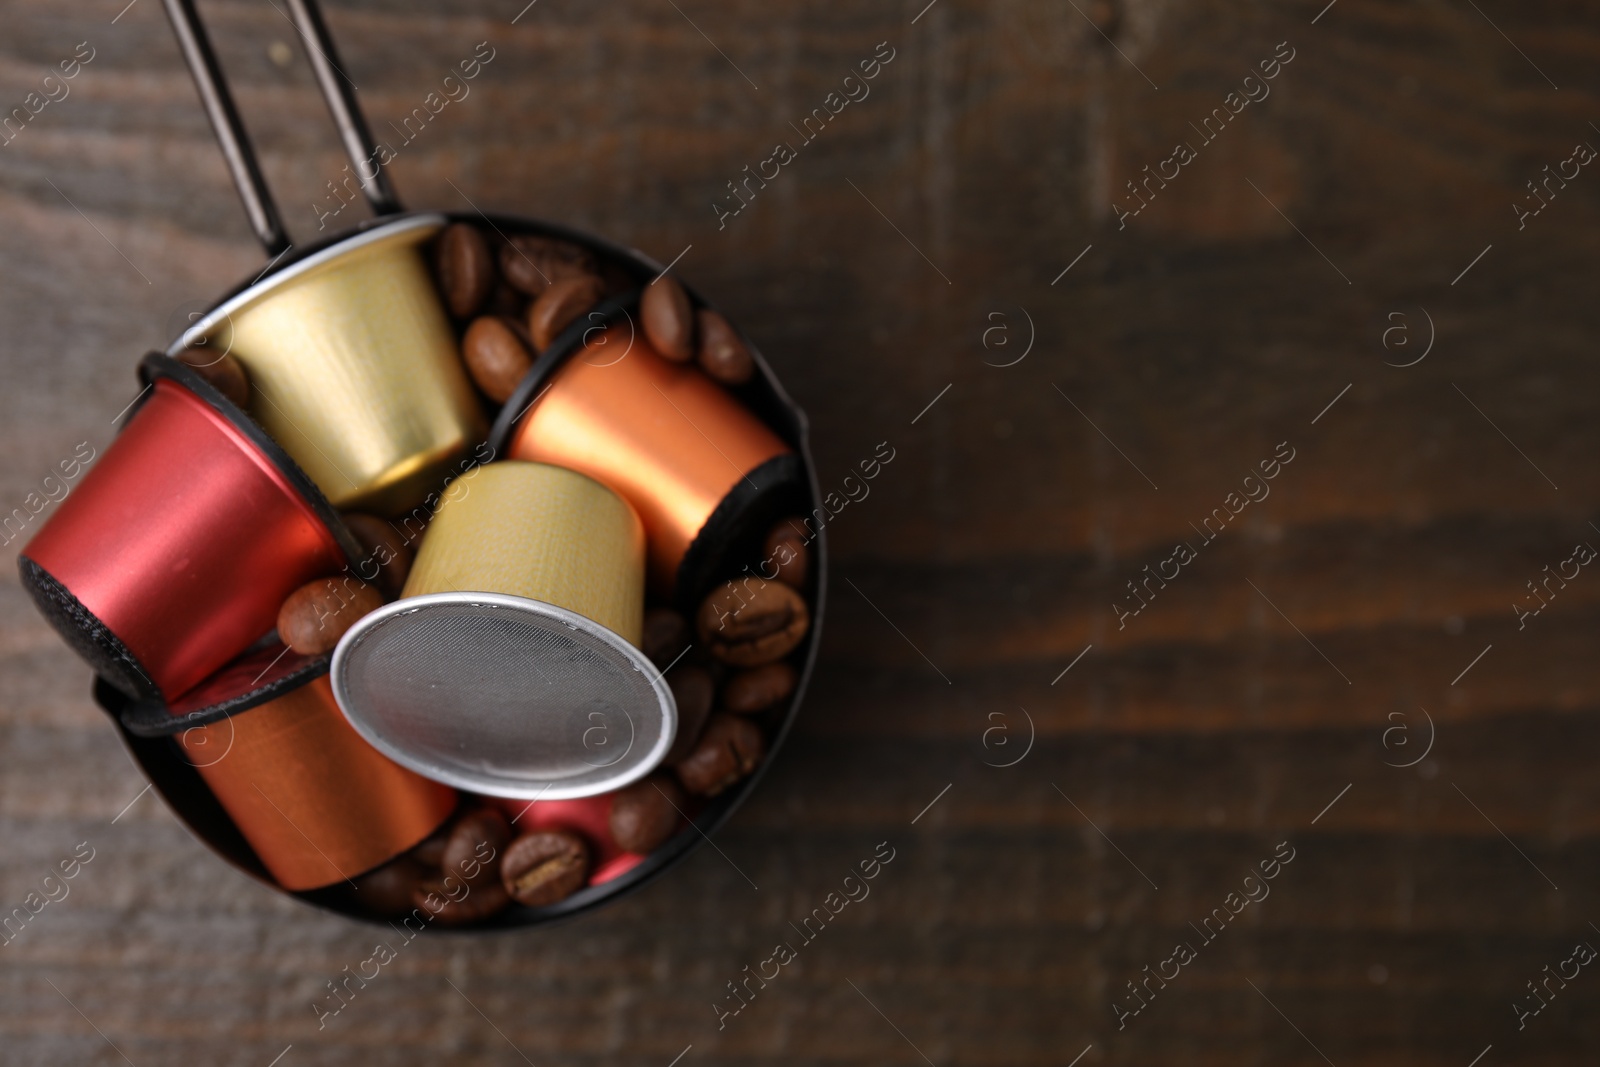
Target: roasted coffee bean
785,549
666,635
465,268
317,614
495,357
224,373
388,890
722,354
452,902
759,688
750,622
646,813
558,306
728,751
383,548
545,866
693,690
532,264
476,844
668,319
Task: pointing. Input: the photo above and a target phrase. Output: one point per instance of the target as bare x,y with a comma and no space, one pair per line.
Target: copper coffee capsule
699,467
317,804
176,550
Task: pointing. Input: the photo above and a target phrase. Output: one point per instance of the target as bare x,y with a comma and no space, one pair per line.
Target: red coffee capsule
179,546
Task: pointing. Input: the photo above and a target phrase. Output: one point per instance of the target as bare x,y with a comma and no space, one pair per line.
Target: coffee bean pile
732,666
516,301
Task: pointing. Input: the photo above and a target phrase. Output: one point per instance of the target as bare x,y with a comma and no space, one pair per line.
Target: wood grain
1214,725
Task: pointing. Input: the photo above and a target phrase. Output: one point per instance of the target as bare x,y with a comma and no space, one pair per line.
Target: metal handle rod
340,93
236,150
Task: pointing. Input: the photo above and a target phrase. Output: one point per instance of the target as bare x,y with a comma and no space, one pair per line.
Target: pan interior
504,696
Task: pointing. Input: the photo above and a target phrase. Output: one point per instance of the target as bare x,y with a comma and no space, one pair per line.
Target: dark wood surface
1177,753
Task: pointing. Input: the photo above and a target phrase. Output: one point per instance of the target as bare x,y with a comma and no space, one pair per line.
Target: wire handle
340,93
236,148
337,90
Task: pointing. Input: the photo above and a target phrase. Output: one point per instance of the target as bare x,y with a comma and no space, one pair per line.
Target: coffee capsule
317,804
176,550
353,366
510,666
701,470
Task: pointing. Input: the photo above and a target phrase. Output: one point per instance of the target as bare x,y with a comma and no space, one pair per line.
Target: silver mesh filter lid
504,695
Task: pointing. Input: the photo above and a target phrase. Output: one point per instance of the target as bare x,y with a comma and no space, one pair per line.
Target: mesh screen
502,699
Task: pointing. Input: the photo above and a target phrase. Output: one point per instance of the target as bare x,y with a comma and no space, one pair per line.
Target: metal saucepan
328,276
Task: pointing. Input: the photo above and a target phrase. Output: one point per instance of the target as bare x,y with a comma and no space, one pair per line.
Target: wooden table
1361,217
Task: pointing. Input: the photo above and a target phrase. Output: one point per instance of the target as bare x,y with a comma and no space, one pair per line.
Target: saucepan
605,480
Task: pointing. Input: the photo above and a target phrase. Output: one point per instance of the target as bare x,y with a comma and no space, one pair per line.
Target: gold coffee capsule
509,666
353,367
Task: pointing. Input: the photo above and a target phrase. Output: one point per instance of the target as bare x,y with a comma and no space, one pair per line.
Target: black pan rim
721,809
